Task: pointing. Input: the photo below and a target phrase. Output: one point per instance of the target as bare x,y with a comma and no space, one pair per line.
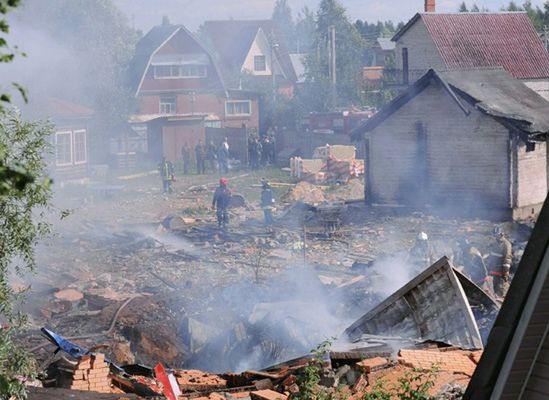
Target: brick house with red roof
180,90
454,41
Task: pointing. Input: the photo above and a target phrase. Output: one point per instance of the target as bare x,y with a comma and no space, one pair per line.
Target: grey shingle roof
492,91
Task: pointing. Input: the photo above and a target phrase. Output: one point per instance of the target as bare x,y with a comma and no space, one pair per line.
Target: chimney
429,5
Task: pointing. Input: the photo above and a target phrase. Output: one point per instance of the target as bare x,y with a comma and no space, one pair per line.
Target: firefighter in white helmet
422,253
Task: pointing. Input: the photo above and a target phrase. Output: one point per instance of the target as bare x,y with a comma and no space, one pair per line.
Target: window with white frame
63,148
260,64
168,105
238,107
79,139
180,71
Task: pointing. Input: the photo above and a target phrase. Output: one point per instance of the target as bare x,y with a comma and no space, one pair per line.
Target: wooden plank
538,385
541,370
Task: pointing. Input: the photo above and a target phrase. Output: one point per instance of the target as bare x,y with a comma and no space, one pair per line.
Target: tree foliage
349,58
282,17
7,53
538,16
305,28
24,201
24,198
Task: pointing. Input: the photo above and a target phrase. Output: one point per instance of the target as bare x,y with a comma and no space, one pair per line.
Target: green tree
25,194
282,17
349,59
305,28
513,7
22,222
463,7
97,34
7,54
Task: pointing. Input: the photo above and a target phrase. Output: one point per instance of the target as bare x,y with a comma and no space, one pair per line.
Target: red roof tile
472,40
65,109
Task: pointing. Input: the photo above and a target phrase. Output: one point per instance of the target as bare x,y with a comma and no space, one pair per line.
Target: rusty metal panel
432,306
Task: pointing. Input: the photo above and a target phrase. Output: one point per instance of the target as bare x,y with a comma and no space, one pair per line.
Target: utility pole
192,100
274,47
332,52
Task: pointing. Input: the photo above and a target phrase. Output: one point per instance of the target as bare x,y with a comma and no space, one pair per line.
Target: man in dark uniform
166,173
267,201
470,258
186,157
221,200
501,257
211,156
200,154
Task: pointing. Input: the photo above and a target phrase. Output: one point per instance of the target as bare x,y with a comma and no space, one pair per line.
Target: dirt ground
198,297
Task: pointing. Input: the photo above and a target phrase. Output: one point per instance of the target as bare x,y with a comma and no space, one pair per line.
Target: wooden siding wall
467,160
175,135
534,382
538,385
532,175
422,52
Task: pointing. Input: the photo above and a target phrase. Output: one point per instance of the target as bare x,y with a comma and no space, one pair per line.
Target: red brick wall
150,104
205,103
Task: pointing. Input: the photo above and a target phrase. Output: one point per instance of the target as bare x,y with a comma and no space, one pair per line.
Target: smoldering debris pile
305,192
190,295
414,338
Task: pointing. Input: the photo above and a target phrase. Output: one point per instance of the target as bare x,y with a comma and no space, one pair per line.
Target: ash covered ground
193,296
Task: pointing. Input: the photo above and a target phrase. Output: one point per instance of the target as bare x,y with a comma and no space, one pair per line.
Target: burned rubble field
246,298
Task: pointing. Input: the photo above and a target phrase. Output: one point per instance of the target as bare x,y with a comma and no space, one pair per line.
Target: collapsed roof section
436,305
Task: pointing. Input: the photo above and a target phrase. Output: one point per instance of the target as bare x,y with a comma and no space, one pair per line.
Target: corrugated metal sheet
476,40
432,306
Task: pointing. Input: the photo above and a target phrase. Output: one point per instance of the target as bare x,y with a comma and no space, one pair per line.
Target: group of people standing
262,151
215,157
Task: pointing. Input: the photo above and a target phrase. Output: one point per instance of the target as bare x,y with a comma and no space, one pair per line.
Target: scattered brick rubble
353,376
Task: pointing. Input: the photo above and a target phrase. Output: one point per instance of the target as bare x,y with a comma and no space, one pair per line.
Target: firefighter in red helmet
221,200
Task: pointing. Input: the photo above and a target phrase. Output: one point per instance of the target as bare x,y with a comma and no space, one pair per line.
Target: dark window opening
530,146
405,72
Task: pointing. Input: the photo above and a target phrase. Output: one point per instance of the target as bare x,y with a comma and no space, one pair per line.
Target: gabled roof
298,63
477,39
515,357
232,40
493,92
149,45
145,49
386,44
59,108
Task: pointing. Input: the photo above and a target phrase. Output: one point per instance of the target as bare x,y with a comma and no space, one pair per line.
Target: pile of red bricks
91,373
457,361
194,380
372,364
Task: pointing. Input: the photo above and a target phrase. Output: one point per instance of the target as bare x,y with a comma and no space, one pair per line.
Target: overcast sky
191,13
